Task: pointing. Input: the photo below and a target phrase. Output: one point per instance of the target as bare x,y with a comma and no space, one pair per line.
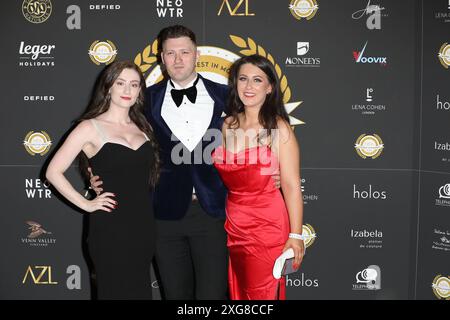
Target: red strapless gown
257,222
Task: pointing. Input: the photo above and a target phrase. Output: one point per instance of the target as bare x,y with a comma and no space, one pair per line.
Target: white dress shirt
189,121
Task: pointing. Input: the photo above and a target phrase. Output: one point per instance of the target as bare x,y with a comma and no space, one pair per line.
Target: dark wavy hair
100,102
272,108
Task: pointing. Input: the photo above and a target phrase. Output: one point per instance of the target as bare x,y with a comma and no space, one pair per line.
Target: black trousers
192,256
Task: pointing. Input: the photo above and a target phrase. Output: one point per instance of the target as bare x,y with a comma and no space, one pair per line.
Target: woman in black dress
115,140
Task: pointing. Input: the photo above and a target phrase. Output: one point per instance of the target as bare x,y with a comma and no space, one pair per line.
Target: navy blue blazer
173,192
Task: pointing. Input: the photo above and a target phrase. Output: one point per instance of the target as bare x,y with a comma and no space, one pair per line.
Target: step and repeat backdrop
365,82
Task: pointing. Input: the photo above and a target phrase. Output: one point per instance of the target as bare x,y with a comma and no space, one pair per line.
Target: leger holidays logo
361,57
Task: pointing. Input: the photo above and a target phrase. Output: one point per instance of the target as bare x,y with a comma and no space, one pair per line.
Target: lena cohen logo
169,8
303,9
102,52
369,146
37,143
444,55
441,287
36,55
368,279
361,58
369,108
374,16
301,61
37,11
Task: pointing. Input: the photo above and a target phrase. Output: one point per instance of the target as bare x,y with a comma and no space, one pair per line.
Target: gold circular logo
102,52
37,143
441,287
36,11
306,9
310,234
369,146
444,55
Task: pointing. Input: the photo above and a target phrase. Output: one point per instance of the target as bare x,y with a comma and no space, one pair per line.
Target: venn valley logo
214,64
303,9
37,235
360,57
441,287
368,279
369,146
36,11
444,55
37,143
102,52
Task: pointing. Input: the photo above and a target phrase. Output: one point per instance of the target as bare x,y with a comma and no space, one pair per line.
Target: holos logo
361,58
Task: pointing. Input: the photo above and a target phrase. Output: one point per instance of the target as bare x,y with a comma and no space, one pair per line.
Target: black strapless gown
121,243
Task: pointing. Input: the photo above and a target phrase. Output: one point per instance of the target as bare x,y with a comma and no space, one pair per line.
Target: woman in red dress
258,142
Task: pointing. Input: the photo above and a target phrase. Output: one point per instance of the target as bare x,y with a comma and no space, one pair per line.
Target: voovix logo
361,58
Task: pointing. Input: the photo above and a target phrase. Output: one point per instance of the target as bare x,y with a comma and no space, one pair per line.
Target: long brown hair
272,107
100,102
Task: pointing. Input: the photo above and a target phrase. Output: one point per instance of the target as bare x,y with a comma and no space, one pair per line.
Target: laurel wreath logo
249,47
148,57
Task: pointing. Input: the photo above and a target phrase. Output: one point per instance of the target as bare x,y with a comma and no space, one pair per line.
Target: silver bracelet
297,236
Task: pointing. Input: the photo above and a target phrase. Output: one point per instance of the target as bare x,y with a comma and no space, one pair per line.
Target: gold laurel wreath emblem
147,57
249,47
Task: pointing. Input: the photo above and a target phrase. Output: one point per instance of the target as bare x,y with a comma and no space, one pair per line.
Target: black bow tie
191,94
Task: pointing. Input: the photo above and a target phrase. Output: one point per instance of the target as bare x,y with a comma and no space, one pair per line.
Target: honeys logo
37,143
214,63
369,146
310,235
303,9
36,11
444,55
441,287
102,52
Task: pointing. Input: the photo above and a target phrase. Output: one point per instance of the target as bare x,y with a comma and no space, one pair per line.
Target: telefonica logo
360,57
368,279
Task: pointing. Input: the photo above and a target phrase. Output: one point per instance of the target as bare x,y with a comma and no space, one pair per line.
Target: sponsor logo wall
369,109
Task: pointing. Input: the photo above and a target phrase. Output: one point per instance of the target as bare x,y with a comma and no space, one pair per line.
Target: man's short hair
173,32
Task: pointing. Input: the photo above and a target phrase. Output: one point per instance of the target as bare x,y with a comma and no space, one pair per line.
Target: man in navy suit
189,198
